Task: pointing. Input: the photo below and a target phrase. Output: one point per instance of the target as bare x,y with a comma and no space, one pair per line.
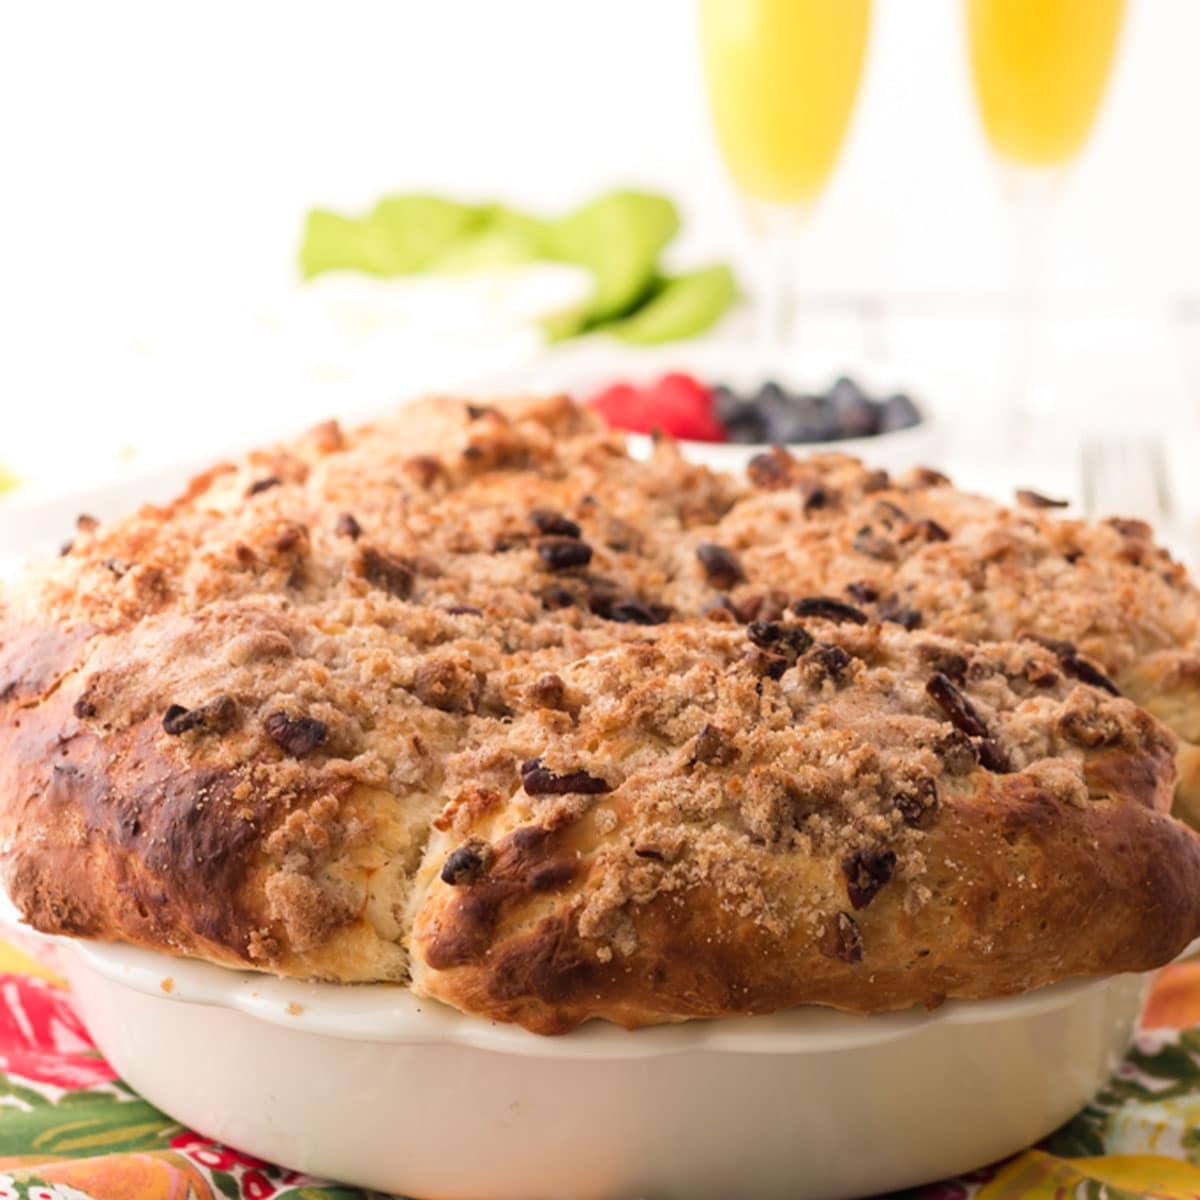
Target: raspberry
623,407
678,404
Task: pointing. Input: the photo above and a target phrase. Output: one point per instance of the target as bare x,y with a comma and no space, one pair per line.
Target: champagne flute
782,79
1040,68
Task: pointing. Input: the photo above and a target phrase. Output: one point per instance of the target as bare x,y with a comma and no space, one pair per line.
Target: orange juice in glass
782,78
1040,68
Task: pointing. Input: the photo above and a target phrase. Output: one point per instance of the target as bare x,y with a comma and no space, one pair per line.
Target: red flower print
43,1039
256,1186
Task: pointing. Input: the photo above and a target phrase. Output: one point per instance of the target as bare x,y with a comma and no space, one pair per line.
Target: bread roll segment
471,700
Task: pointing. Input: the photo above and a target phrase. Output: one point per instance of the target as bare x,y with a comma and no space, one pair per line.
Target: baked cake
469,700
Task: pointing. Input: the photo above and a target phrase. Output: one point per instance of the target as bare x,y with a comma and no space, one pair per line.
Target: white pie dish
371,1086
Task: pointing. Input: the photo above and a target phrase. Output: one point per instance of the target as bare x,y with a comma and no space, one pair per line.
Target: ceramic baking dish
371,1086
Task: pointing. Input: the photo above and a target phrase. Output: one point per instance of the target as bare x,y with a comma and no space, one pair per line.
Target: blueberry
747,427
802,419
822,421
728,404
899,412
856,415
844,391
770,393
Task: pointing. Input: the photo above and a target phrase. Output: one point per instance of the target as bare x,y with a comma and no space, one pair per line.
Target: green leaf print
1081,1137
106,1125
22,1095
1191,1144
1172,1062
228,1185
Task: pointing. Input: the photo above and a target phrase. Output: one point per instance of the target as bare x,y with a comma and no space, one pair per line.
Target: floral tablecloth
69,1128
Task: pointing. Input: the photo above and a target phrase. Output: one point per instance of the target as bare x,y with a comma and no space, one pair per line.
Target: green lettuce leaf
503,237
399,236
682,306
618,237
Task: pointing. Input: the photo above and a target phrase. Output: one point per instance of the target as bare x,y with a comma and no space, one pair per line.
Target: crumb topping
466,622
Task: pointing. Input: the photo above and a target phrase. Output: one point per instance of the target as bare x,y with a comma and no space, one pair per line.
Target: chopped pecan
874,545
829,661
842,939
348,527
866,871
957,708
296,736
548,691
1130,527
630,611
957,753
557,596
546,520
292,539
714,747
540,781
395,576
928,477
424,469
815,495
864,593
948,662
215,716
769,606
1032,499
1039,674
1057,646
919,803
931,531
1085,672
992,756
509,539
563,553
890,514
829,609
263,485
766,664
467,863
721,566
771,470
788,640
895,613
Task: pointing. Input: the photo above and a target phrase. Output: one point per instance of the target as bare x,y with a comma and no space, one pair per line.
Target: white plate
584,370
368,1085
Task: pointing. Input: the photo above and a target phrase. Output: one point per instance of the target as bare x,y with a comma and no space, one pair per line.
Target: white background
158,158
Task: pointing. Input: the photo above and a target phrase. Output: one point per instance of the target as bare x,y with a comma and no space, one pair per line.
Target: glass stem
777,230
1032,196
776,318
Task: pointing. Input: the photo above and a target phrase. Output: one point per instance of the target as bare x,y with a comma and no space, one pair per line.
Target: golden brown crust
469,698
